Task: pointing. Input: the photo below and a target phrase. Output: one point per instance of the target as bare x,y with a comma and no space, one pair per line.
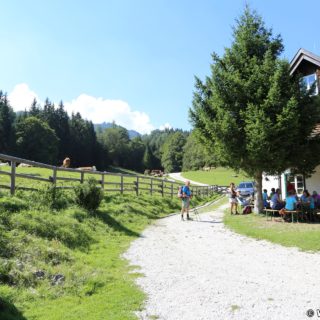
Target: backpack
180,193
246,210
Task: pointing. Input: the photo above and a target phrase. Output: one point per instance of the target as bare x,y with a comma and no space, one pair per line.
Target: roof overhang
301,55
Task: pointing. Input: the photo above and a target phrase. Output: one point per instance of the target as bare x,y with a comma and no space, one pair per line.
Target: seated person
306,200
273,191
291,203
275,201
265,198
316,198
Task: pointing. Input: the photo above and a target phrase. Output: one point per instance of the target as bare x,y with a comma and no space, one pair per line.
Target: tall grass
65,263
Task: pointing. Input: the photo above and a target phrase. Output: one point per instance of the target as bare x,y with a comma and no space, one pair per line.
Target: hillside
105,125
65,263
217,176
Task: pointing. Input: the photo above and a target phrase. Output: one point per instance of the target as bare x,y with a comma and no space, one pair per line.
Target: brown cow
66,163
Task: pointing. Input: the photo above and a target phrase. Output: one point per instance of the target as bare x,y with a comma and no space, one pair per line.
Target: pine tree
7,117
250,112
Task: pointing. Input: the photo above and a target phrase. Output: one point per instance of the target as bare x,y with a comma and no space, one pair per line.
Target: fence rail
136,183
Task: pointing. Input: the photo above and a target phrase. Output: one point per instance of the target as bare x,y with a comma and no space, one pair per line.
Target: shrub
51,197
88,195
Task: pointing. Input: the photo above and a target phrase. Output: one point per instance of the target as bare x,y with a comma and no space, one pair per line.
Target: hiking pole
196,213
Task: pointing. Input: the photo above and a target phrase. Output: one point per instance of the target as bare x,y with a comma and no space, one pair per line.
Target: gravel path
201,270
178,176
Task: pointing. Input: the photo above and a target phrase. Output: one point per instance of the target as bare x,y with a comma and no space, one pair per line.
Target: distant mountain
105,125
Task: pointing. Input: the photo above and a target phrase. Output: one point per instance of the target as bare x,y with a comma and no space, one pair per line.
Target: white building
307,64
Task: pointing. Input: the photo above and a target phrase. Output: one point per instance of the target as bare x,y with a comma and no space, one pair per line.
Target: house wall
313,183
273,182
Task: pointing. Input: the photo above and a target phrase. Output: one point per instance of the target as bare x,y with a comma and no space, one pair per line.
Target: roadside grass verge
67,263
218,176
221,200
301,235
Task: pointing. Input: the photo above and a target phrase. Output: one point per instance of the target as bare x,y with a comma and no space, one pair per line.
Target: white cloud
165,126
21,97
97,110
102,110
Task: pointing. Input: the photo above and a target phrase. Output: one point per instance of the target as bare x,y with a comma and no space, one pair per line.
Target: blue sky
130,61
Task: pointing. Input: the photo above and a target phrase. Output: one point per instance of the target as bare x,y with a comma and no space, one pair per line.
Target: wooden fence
110,182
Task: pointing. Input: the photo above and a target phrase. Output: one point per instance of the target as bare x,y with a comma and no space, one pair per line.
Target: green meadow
66,263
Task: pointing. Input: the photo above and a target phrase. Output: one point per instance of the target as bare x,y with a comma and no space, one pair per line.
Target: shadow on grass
9,312
115,225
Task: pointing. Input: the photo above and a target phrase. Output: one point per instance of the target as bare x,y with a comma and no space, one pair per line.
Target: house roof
301,55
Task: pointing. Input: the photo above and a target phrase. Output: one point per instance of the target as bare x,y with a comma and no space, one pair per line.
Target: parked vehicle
246,188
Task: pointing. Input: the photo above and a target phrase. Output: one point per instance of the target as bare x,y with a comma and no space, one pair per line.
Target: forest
47,133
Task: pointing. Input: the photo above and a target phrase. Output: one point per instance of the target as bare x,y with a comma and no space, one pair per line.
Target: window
298,182
309,80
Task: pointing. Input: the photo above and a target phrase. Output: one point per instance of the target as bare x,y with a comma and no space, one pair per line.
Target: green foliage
116,140
172,152
7,117
36,140
88,195
12,204
52,197
83,141
251,113
195,155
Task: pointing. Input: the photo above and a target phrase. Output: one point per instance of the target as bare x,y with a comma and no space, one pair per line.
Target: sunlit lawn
218,176
302,235
112,181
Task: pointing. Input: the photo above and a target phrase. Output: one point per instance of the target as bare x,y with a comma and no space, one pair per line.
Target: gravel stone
203,271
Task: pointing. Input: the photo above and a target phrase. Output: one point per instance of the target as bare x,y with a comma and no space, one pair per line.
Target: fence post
13,178
121,185
162,188
151,186
207,191
102,181
137,186
171,190
82,177
54,176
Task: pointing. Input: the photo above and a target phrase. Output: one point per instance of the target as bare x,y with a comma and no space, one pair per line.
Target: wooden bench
271,211
292,212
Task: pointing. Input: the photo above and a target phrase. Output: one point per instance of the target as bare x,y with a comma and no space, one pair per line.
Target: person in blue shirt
265,198
186,196
291,204
291,201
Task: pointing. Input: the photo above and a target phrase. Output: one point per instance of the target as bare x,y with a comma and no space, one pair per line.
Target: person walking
186,196
233,198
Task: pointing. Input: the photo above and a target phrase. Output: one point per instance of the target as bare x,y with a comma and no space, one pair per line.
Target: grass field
302,235
111,181
38,244
218,176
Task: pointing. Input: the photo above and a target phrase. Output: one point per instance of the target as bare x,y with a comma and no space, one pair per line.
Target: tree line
46,133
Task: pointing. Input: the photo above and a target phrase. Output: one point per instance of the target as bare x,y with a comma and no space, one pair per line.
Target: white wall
313,183
273,182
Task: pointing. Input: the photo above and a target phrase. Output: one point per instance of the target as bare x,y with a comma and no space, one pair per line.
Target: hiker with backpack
185,194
